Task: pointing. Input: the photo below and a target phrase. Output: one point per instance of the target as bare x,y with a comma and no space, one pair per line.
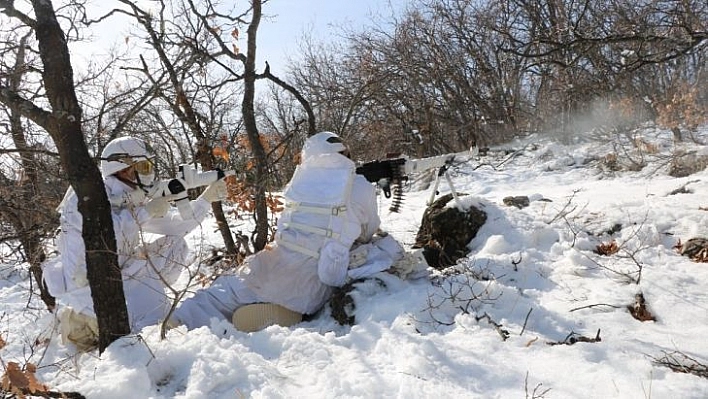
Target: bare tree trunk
676,131
205,159
249,118
64,125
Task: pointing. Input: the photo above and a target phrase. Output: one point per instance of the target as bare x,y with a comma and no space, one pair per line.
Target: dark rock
342,302
695,248
445,232
520,201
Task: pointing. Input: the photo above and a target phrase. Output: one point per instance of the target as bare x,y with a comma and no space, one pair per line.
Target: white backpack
316,202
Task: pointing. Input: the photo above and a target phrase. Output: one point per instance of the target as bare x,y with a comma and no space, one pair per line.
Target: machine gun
386,173
389,174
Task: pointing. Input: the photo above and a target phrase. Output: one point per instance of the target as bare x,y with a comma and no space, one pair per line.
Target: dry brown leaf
17,378
34,384
220,153
607,248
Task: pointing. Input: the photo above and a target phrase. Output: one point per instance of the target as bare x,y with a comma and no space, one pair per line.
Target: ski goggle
144,167
336,139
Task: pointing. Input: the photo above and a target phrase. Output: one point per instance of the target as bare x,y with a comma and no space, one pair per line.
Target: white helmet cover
322,143
121,150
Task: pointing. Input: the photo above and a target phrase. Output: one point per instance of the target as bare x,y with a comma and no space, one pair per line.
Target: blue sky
286,21
282,27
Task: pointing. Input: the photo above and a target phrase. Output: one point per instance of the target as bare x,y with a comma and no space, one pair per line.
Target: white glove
215,191
80,278
411,266
157,207
357,257
128,198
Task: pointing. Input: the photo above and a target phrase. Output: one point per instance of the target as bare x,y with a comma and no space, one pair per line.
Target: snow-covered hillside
533,312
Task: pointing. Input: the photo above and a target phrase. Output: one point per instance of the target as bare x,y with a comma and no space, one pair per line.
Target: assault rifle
188,177
389,174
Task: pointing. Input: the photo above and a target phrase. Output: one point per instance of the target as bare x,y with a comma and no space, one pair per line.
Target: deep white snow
532,271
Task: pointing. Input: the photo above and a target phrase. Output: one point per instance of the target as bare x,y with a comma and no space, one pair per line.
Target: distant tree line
469,71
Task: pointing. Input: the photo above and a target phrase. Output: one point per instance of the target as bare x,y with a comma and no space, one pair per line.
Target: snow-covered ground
532,272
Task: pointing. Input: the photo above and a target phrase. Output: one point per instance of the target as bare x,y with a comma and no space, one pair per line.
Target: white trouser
145,280
226,294
144,283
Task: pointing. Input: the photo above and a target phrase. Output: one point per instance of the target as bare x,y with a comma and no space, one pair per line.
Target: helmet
124,152
323,143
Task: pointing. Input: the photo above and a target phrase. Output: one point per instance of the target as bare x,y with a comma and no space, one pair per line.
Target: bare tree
616,48
64,124
464,71
195,64
433,71
26,198
219,25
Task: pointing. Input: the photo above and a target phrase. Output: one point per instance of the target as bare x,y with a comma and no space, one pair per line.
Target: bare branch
25,107
7,7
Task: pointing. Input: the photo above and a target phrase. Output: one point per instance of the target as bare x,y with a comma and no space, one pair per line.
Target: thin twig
593,305
525,321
